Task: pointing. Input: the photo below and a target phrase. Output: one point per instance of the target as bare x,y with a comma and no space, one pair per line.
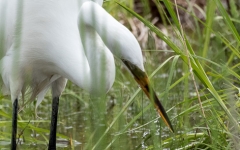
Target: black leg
53,127
14,124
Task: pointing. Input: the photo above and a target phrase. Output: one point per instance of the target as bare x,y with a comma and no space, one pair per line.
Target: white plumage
50,41
50,46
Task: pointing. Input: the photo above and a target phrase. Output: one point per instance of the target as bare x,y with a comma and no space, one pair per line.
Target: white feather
52,46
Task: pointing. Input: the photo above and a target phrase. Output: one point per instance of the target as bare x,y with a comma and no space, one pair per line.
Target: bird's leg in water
14,124
53,127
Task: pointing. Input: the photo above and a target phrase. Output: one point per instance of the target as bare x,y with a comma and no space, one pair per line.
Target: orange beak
142,79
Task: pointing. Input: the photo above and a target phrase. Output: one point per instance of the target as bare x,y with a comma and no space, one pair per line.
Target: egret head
127,48
122,43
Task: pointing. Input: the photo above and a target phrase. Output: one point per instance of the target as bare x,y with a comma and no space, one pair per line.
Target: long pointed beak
142,79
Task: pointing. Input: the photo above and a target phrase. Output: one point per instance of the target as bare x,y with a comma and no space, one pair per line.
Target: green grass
205,116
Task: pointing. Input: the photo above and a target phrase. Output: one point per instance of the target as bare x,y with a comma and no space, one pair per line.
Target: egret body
47,42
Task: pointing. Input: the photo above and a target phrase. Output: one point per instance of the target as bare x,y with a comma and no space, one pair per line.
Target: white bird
47,42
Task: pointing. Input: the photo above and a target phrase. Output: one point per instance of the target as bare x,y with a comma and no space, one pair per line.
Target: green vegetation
197,78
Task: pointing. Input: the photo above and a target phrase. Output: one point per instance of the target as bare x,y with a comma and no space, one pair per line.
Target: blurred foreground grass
196,77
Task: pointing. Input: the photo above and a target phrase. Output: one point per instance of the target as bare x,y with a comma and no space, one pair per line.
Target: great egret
48,42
